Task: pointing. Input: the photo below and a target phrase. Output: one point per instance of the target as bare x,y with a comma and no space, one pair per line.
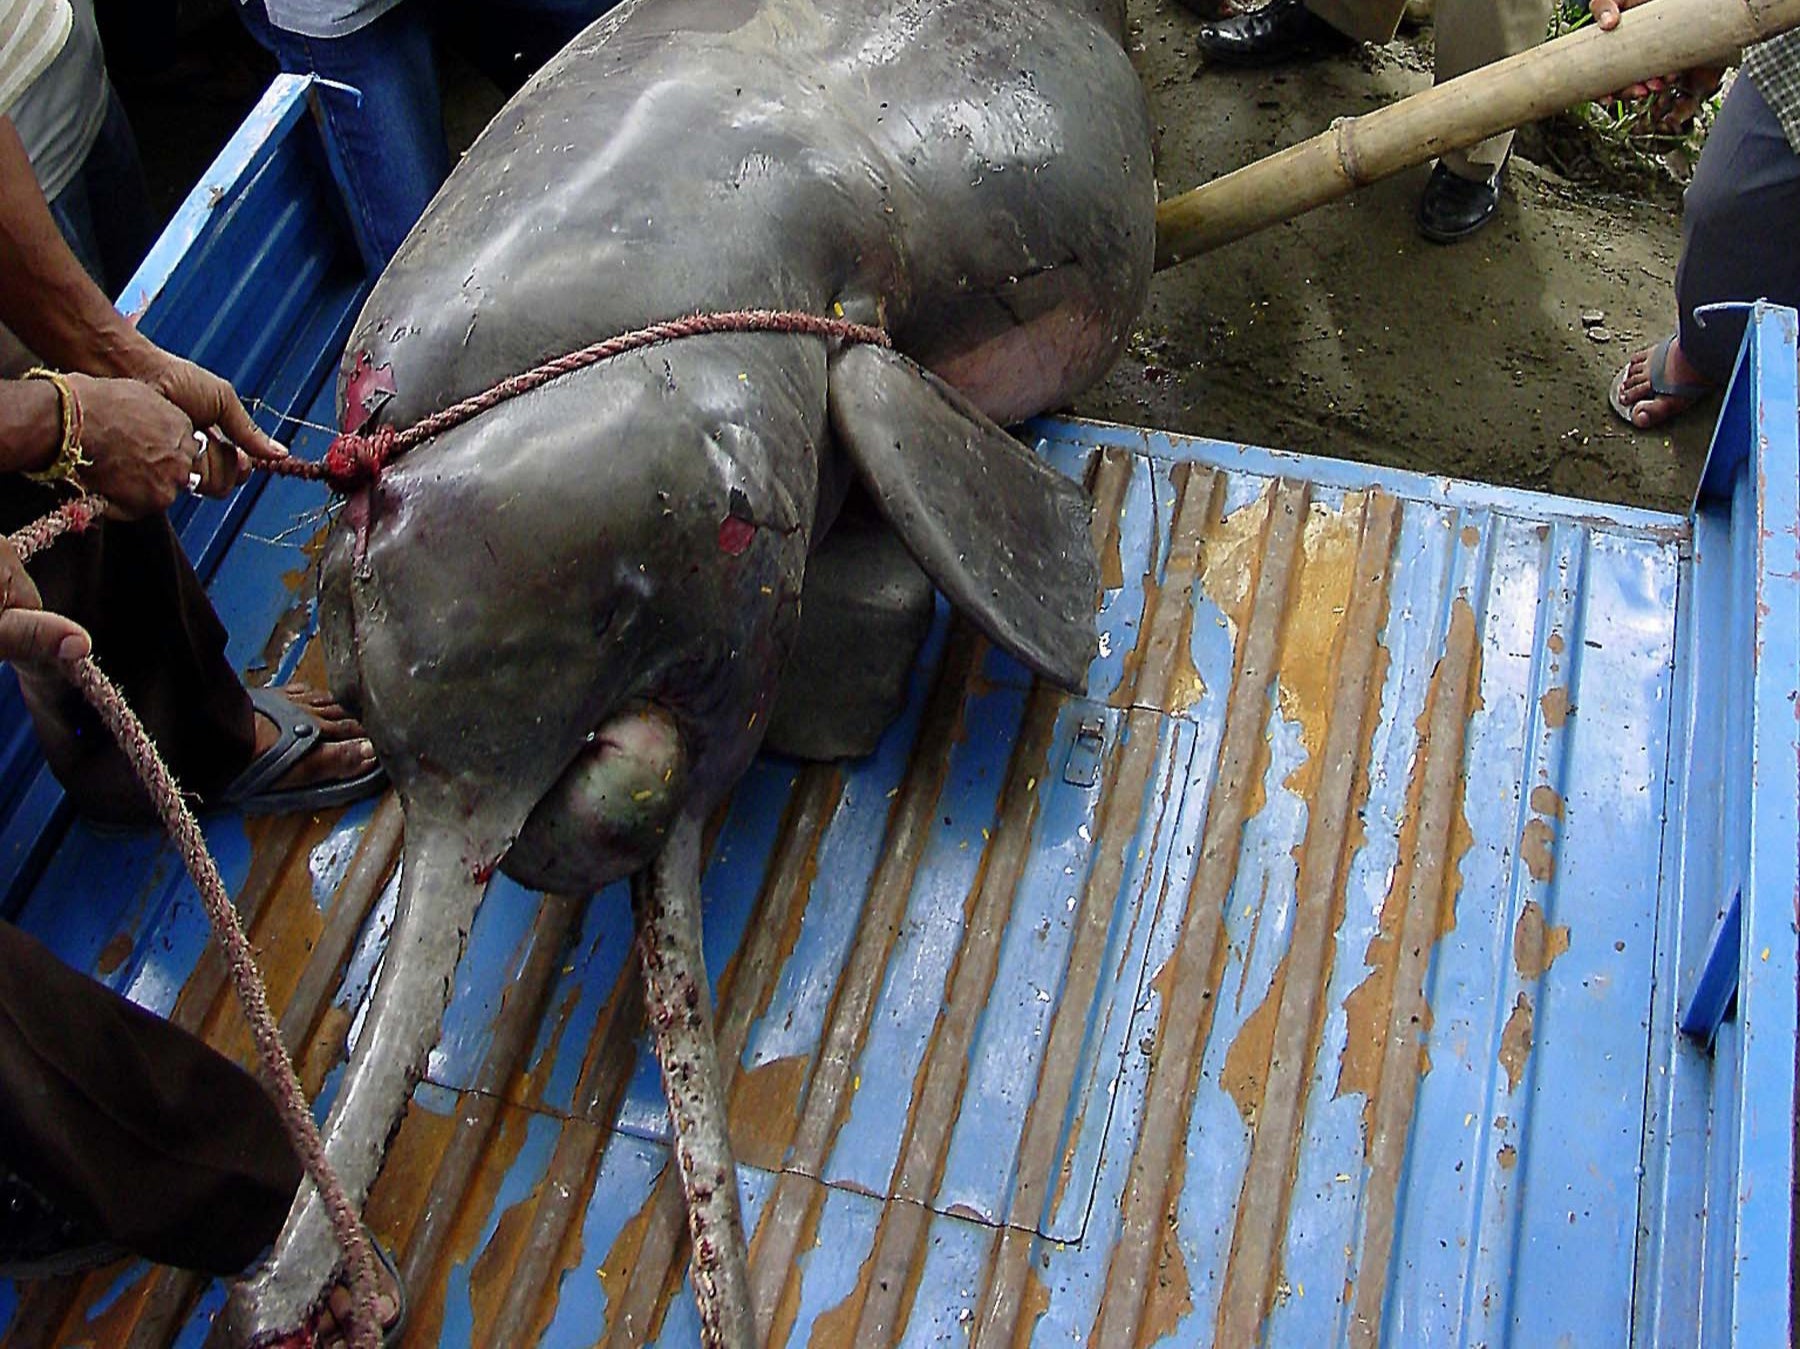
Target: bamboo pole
1651,39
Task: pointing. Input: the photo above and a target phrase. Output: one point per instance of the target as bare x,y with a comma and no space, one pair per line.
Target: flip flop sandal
253,791
1660,385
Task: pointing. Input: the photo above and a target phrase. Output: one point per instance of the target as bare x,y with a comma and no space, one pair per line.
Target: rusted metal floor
1295,983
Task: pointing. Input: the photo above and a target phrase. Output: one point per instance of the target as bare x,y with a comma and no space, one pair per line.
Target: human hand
1606,12
1672,107
1677,96
28,634
141,447
211,405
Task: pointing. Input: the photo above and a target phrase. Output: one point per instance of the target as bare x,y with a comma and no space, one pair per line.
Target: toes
336,721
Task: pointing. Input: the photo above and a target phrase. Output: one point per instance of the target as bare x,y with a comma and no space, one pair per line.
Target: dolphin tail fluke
666,898
439,893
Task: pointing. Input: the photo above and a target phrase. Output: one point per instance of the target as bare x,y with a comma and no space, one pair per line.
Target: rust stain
1556,643
1033,1303
1134,658
1248,1061
1515,1042
1389,1014
283,936
765,1103
836,1327
113,1326
1537,944
1307,675
490,1278
1462,838
326,1048
1508,1156
1112,565
393,1208
1537,847
1262,906
1168,1291
293,622
620,1261
115,953
1545,801
1185,689
1556,707
1132,666
1231,557
524,1090
495,1262
1470,536
1369,1009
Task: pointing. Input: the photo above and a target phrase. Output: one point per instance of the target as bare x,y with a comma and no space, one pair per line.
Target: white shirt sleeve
32,32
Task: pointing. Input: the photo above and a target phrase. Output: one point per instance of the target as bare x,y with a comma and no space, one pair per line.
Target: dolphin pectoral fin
1002,534
666,899
439,893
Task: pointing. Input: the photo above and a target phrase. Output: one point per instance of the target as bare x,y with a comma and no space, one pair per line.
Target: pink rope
246,979
354,459
70,518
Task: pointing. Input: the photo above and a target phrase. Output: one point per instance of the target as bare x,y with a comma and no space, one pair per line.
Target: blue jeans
110,241
390,141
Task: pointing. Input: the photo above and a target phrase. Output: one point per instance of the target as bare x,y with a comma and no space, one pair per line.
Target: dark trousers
155,633
104,212
131,1127
1737,228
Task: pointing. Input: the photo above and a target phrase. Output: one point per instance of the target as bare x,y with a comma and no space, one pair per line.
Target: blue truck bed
1396,945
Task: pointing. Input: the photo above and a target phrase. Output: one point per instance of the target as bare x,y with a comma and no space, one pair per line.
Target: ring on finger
199,458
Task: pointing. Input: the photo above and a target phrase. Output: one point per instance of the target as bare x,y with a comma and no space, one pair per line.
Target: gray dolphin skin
566,621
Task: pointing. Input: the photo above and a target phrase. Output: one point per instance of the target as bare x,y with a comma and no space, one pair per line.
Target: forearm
45,295
30,424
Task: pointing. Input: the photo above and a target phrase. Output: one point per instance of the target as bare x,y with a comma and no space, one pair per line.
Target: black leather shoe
1282,30
1453,207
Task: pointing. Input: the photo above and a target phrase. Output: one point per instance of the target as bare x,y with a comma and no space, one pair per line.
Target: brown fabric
156,634
133,1127
1474,33
1364,20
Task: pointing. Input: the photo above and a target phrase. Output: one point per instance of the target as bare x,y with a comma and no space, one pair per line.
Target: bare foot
329,1326
1645,406
332,1322
344,752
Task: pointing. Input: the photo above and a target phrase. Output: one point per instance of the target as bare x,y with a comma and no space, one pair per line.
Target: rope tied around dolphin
352,460
356,458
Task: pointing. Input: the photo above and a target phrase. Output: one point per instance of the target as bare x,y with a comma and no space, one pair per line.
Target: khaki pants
1470,34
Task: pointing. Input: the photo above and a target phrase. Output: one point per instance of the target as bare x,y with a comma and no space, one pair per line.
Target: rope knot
355,459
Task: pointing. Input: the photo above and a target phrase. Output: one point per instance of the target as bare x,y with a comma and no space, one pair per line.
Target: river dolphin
565,622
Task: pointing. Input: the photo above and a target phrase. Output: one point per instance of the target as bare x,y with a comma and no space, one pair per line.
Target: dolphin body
565,622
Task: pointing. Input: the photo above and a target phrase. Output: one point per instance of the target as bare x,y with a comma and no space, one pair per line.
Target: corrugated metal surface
1302,983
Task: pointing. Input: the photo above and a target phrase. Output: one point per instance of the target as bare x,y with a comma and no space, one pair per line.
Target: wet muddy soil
1344,333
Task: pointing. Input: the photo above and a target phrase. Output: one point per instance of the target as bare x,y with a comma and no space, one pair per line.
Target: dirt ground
1342,333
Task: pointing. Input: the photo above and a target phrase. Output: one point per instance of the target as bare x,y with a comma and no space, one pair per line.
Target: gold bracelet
69,457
